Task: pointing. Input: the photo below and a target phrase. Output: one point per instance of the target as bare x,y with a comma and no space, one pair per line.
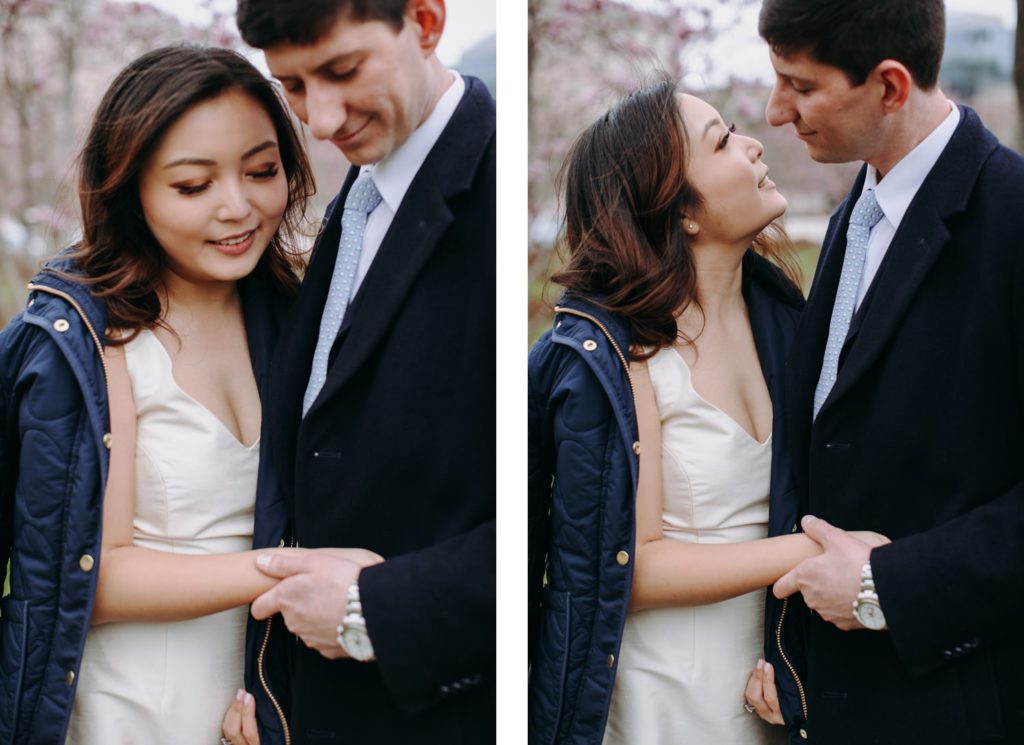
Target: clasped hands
829,583
312,591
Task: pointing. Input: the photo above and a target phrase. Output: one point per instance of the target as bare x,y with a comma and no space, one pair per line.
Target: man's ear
427,18
896,82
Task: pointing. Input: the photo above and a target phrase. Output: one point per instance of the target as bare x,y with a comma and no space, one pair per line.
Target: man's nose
325,113
779,110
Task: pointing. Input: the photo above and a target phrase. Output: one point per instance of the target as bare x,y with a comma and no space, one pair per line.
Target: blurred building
979,54
479,61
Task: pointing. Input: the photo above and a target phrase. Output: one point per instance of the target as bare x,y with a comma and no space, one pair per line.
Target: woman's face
726,168
214,191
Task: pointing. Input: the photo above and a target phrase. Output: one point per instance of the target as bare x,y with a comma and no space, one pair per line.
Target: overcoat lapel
414,235
809,343
294,356
917,245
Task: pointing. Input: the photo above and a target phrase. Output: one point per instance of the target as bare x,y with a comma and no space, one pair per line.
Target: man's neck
439,79
923,112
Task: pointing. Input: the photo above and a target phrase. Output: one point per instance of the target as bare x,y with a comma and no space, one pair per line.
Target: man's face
838,122
364,86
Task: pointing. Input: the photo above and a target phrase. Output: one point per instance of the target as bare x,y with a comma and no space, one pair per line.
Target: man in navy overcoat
395,454
921,436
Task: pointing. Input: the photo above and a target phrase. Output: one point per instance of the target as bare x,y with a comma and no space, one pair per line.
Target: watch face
870,616
357,644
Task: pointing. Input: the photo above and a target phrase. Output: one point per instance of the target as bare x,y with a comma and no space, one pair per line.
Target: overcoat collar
412,238
917,244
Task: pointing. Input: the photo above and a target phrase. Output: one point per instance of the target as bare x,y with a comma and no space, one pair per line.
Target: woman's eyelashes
725,138
264,174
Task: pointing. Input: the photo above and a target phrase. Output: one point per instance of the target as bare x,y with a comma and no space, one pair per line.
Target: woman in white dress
192,183
668,264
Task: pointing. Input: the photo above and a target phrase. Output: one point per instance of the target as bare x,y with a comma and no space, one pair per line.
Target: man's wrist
867,608
353,636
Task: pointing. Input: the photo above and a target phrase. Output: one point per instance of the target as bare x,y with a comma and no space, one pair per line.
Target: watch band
866,608
352,634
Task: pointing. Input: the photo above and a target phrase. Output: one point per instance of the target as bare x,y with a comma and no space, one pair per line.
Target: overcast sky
468,22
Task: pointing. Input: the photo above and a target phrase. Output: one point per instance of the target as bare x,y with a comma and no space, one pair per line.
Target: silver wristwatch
352,636
866,607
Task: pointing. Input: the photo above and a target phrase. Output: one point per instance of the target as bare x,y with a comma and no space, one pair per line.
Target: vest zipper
622,357
78,308
792,670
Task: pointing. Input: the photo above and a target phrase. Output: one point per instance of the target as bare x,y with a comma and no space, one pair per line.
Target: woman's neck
186,303
719,283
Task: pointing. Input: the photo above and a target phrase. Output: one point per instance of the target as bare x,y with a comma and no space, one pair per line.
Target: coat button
636,447
61,325
86,563
108,440
803,734
590,345
622,557
611,660
70,678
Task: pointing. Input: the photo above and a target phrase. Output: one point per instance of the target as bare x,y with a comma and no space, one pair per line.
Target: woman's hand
870,537
762,695
239,725
364,557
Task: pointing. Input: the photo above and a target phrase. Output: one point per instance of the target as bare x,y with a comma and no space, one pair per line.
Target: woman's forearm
140,584
670,573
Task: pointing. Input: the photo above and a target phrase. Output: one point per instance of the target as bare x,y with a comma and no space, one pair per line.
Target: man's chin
821,155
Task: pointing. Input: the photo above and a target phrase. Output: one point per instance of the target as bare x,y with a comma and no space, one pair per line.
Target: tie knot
866,212
363,196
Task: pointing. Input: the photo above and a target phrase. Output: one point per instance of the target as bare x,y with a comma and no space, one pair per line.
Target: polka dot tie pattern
866,214
362,199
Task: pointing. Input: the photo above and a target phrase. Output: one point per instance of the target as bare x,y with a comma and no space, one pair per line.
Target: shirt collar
395,173
900,185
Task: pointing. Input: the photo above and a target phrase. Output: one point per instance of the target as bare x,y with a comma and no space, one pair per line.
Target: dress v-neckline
689,381
220,422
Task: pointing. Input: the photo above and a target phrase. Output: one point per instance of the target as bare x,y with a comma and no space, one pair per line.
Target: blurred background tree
585,54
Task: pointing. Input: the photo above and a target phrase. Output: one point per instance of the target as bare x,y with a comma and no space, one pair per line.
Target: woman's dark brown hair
118,255
626,190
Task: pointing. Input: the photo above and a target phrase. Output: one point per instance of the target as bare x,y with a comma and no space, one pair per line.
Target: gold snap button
803,734
622,557
611,660
108,440
86,562
636,447
70,678
61,325
590,345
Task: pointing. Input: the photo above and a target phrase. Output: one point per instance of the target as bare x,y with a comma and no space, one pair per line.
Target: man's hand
829,582
312,593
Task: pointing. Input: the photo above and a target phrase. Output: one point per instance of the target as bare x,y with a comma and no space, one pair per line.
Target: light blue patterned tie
866,214
362,199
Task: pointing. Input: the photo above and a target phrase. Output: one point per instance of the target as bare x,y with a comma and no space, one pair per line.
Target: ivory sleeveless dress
170,683
682,671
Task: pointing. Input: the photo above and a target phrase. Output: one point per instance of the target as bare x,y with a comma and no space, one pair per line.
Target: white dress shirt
395,173
897,190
